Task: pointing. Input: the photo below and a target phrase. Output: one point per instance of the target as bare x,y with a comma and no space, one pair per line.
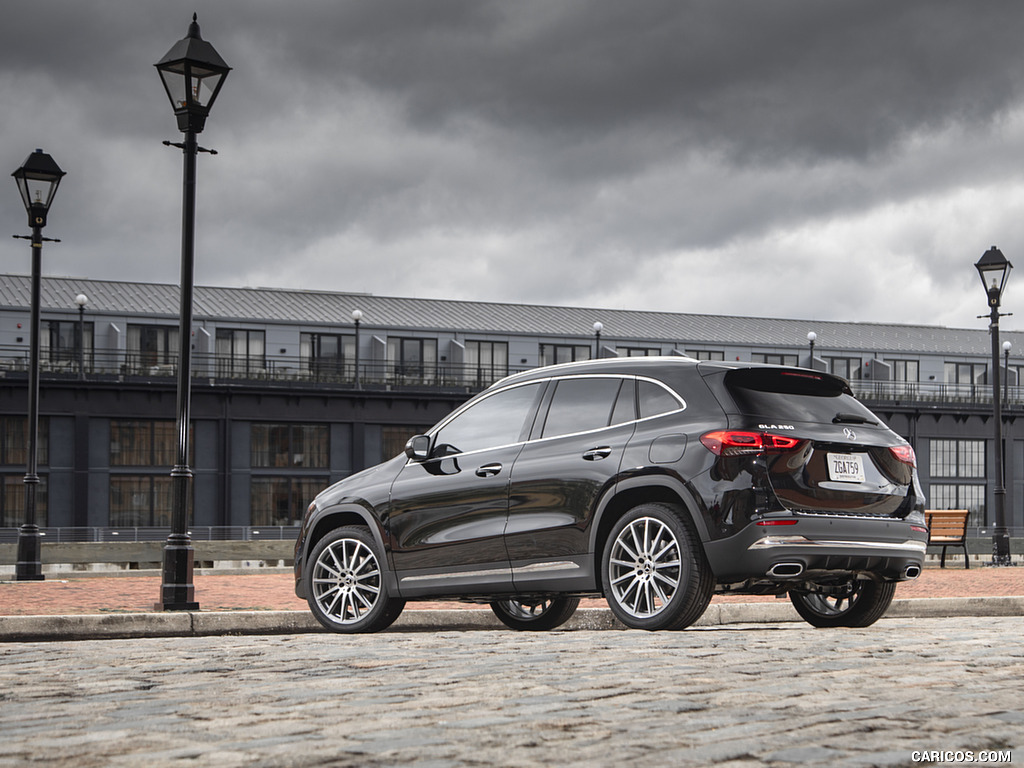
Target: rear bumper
814,548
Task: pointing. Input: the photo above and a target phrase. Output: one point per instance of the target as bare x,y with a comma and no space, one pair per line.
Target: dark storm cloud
569,151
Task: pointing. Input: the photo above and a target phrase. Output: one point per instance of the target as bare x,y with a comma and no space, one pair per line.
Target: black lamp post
81,300
598,327
1006,370
357,316
192,73
811,338
37,179
994,270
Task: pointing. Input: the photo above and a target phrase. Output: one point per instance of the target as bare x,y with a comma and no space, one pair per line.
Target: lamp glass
994,270
38,179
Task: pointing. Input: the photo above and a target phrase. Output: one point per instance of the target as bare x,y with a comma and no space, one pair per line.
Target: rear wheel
347,589
654,571
537,614
857,604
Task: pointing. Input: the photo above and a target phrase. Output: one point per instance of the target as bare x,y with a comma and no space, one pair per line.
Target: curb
203,624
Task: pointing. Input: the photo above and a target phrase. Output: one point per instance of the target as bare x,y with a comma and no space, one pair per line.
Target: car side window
655,400
625,405
580,405
495,420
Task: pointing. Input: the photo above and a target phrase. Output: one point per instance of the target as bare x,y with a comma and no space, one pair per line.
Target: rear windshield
795,396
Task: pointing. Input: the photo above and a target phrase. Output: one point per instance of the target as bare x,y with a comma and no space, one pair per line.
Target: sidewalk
67,607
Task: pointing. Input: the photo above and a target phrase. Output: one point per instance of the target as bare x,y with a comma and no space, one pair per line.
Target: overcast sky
832,160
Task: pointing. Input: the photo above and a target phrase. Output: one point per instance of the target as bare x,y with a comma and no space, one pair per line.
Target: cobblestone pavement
738,697
71,594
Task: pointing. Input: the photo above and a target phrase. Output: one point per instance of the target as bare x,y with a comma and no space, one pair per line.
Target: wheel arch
632,492
343,515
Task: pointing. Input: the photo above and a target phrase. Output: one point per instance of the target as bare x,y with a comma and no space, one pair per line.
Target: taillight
904,453
735,443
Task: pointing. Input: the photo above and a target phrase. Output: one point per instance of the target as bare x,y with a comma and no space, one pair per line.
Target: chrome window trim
432,432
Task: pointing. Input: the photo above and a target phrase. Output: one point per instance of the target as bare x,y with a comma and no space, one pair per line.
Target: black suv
655,481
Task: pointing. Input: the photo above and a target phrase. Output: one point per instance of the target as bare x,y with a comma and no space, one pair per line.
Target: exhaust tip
786,570
912,571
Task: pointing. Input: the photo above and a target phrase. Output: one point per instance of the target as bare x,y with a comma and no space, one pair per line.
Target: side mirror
418,448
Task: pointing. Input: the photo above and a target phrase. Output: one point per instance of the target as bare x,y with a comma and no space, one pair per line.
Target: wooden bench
948,528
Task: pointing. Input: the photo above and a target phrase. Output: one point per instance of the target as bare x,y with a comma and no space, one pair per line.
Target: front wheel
535,614
654,570
858,604
347,590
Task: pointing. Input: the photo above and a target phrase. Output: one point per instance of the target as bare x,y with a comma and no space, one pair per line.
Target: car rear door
578,440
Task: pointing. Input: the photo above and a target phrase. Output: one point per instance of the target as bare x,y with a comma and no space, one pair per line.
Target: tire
535,614
346,583
654,571
861,605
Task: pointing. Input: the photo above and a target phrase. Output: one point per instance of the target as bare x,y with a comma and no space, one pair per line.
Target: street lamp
994,270
81,300
598,327
811,338
192,73
37,179
357,315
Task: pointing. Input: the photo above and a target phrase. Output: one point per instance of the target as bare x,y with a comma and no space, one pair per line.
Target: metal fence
389,375
257,369
198,533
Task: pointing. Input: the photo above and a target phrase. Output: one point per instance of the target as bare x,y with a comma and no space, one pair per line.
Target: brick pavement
776,696
67,595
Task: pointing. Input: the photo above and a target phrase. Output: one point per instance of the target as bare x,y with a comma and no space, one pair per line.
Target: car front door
448,512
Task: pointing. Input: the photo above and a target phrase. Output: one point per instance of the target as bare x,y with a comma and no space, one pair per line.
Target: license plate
846,467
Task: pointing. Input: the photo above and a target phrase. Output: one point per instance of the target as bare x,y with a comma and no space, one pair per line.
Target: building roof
323,308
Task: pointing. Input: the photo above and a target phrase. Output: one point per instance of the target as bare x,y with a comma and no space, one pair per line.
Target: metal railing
285,370
139,534
258,369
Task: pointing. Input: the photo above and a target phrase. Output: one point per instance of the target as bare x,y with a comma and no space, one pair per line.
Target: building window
141,500
413,360
12,501
14,453
150,346
283,500
771,359
847,367
394,438
324,355
143,443
706,354
486,362
962,460
290,445
14,441
552,354
905,370
59,343
966,374
240,352
637,351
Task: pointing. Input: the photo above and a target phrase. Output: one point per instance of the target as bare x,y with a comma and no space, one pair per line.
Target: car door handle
488,470
596,454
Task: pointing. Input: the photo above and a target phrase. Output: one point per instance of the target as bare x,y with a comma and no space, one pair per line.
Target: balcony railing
907,392
374,374
279,369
